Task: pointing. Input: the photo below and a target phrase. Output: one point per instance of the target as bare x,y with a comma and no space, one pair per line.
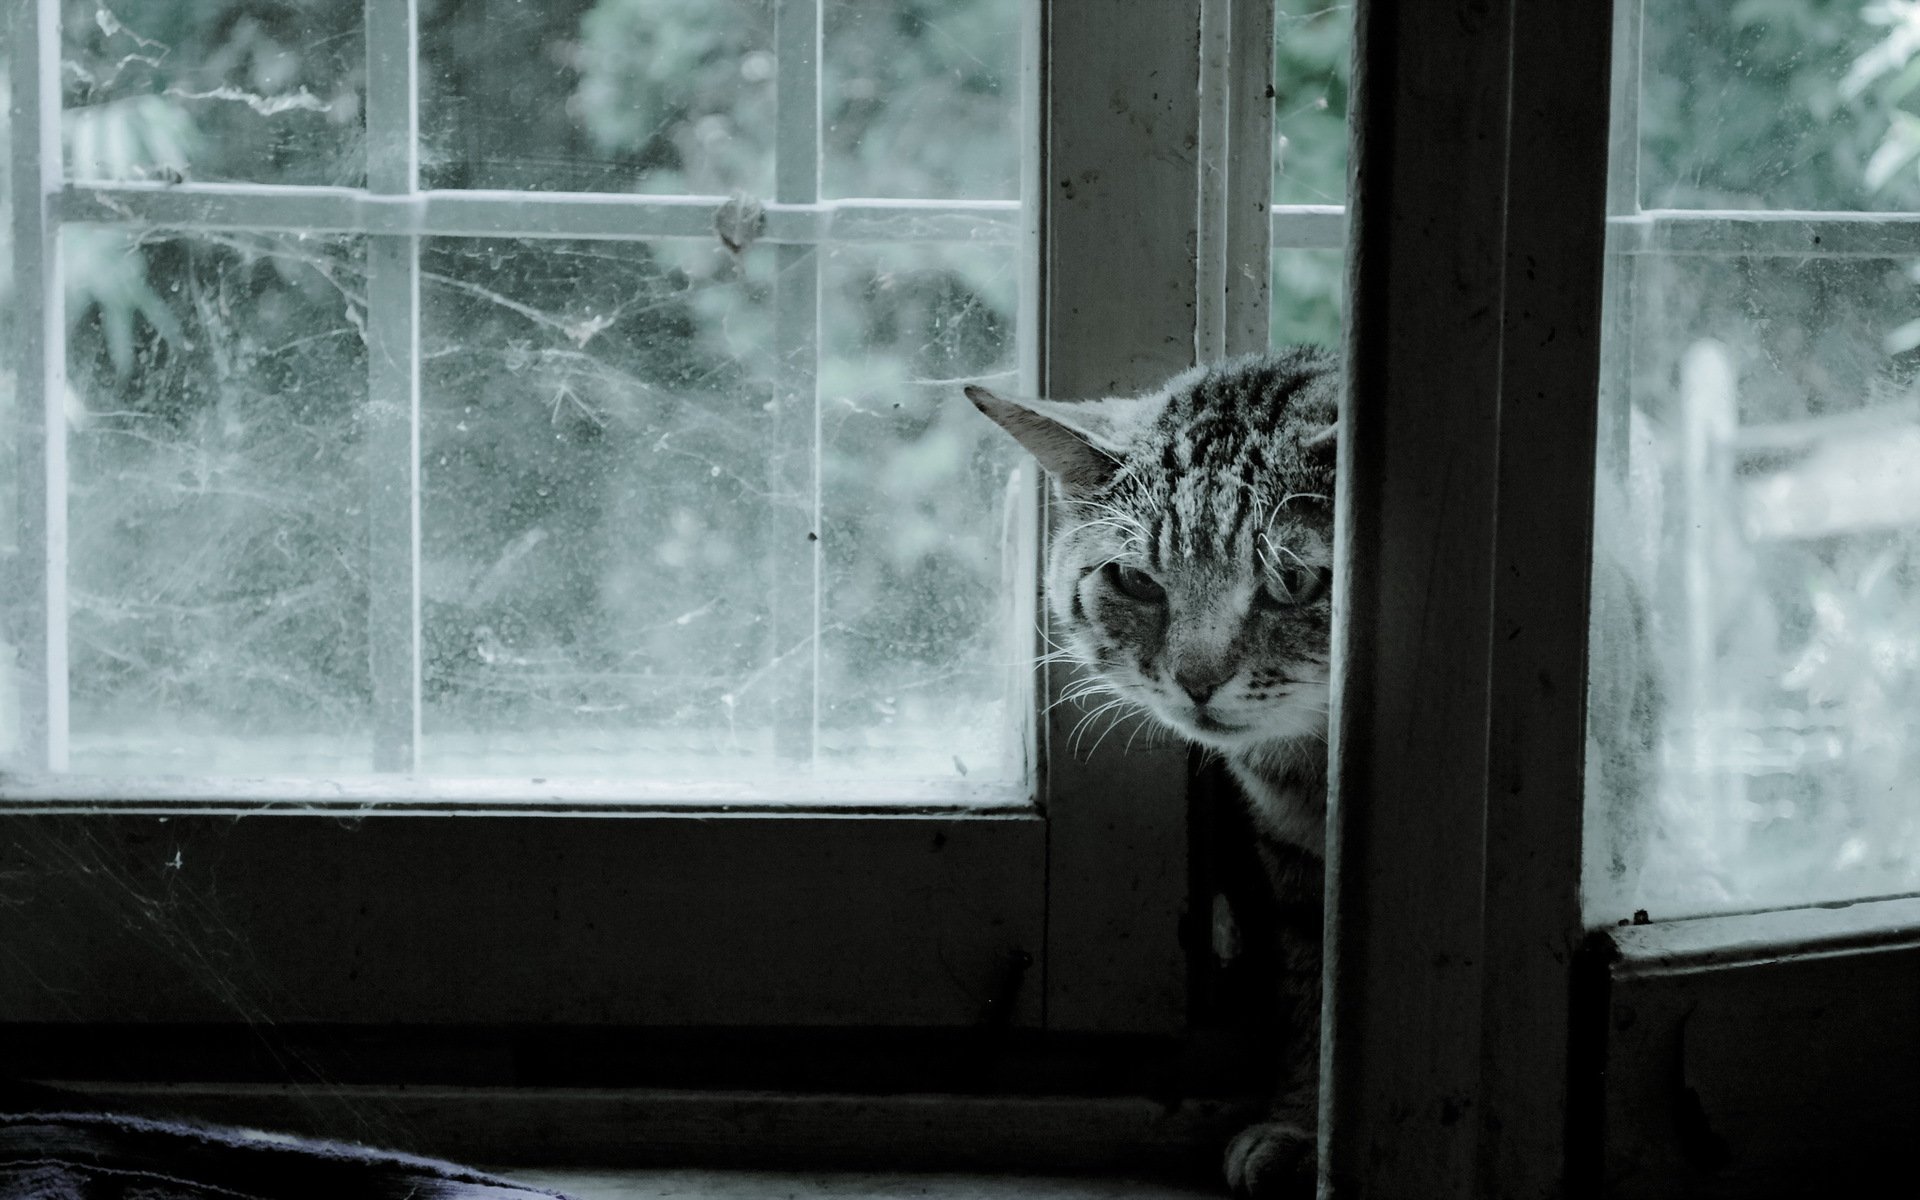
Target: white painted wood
794,436
439,795
1308,226
40,383
1120,118
631,217
1732,234
393,103
1709,944
1025,550
393,393
481,213
1210,216
1247,200
1623,170
1728,233
796,44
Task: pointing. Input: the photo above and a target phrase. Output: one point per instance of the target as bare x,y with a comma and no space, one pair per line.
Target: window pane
217,503
663,96
596,448
921,100
1310,67
927,626
1309,289
214,90
620,539
1755,657
1761,447
1779,104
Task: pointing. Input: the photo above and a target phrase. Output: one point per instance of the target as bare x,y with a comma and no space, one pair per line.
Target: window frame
1060,911
1480,1038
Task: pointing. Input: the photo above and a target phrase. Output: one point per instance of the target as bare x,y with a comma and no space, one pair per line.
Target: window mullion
1233,225
40,389
1247,282
1210,218
1121,100
393,392
794,462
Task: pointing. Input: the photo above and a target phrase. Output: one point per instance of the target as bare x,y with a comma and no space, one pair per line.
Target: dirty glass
690,510
923,609
597,511
1311,61
662,96
217,586
1312,49
1756,632
1309,289
920,99
1779,104
180,90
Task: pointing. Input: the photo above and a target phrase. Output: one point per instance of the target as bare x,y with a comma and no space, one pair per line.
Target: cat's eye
1292,585
1136,584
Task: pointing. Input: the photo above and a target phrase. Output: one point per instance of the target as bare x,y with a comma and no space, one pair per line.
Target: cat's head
1191,558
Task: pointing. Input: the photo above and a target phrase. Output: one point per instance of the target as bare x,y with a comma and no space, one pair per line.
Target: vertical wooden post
1537,674
1464,509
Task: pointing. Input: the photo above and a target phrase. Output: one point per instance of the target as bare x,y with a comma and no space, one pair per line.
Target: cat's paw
1272,1160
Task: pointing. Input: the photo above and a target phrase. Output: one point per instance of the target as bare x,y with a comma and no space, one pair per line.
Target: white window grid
393,213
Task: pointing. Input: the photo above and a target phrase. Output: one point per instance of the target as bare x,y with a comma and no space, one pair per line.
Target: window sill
616,1142
787,1185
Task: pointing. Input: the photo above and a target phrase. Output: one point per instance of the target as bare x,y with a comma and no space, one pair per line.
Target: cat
1191,570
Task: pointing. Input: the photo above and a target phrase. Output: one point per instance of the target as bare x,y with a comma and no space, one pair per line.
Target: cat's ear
1079,442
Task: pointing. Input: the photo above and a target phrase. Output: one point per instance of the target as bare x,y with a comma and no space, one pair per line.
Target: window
1761,452
507,446
1490,1031
1758,436
636,636
1481,1037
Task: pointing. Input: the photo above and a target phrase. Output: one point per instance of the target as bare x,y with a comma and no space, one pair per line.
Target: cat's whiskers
1140,717
1080,689
1074,737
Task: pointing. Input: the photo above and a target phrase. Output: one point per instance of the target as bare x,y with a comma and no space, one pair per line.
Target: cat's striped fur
1190,570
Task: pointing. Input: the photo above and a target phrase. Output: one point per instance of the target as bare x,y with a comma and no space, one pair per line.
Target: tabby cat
1190,570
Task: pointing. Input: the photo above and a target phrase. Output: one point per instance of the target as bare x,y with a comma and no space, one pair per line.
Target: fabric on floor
102,1156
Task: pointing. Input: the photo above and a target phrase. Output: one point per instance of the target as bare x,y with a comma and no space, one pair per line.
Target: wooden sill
787,1185
640,1138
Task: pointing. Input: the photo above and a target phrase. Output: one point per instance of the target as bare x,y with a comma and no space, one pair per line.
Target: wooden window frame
1480,1041
1052,922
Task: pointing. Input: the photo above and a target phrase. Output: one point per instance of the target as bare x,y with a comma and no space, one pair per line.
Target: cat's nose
1199,683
